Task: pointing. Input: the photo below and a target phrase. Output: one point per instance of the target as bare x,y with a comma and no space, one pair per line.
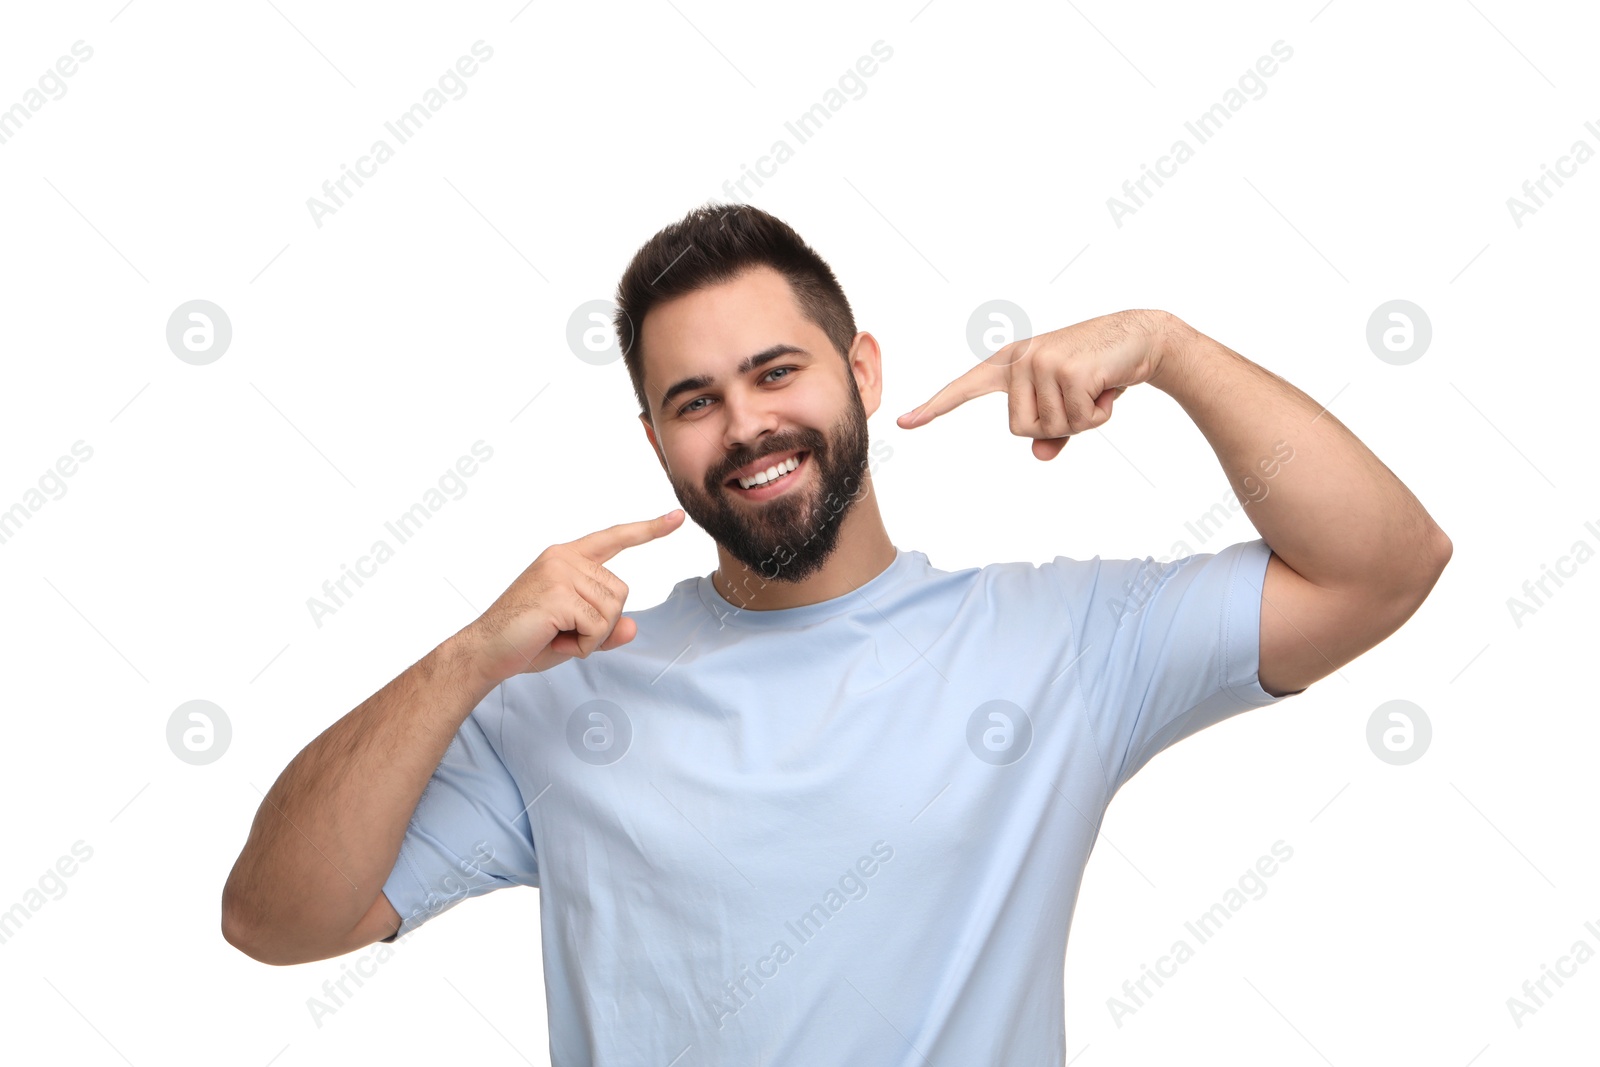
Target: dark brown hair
712,244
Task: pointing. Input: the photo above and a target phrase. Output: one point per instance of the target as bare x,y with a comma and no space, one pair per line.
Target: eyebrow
750,363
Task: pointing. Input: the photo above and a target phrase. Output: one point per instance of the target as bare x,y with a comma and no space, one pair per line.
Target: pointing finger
985,378
603,544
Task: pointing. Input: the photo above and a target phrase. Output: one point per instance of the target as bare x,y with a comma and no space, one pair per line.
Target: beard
789,537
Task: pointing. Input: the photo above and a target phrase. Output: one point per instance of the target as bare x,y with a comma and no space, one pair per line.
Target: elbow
1439,553
237,931
1426,575
277,945
259,949
247,936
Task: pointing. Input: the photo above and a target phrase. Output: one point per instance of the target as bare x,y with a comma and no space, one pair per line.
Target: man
829,803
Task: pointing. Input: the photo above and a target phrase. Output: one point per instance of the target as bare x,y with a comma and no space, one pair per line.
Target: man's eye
690,406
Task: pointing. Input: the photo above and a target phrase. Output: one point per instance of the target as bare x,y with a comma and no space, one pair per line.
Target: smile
787,476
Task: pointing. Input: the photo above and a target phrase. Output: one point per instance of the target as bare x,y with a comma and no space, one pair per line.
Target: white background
428,311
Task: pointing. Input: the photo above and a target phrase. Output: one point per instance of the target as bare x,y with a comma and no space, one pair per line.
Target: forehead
710,330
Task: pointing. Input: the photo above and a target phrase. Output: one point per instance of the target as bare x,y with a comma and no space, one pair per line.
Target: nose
750,418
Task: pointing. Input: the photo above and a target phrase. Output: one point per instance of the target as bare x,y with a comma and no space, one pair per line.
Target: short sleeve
470,833
1164,650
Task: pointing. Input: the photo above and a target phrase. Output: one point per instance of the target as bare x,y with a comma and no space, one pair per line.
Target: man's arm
1355,553
308,884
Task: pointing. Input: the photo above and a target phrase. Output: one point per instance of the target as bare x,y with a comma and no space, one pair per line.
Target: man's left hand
1059,383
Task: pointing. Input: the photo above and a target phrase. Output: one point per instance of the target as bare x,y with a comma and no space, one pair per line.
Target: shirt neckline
732,614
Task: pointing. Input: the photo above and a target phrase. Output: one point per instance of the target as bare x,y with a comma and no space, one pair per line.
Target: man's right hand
308,883
565,604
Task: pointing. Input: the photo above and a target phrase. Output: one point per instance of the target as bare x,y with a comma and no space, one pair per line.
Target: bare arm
308,884
1355,552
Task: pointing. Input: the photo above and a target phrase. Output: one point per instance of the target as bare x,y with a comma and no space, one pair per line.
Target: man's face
803,402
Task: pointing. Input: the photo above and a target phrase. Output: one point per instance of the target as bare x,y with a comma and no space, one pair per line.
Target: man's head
743,351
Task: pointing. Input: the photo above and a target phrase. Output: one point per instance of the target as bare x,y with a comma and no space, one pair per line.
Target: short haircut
713,244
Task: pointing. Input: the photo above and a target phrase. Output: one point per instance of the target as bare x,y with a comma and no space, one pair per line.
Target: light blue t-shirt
847,832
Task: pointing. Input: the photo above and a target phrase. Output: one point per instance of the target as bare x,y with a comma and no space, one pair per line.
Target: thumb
625,630
1048,448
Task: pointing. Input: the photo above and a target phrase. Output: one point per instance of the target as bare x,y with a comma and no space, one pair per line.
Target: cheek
690,460
814,414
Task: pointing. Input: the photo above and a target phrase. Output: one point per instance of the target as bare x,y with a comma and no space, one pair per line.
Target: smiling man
829,803
766,448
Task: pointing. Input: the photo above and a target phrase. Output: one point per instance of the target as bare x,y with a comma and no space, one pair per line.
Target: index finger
603,544
986,377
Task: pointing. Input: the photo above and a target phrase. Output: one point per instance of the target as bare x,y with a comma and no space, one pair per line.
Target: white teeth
771,473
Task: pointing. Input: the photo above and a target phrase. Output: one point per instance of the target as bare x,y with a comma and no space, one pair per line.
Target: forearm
1325,504
327,834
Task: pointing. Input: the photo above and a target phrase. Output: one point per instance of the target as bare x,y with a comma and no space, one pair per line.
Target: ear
650,435
866,363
